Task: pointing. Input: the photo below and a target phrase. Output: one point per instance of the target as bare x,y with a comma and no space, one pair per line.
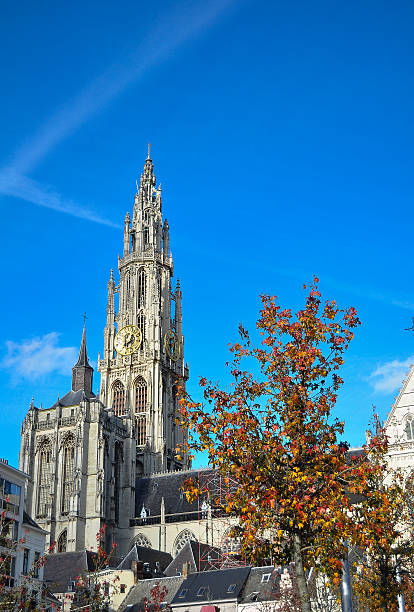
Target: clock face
128,340
172,345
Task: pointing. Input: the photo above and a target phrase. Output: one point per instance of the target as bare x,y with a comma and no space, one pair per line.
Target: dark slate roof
212,586
198,556
60,568
73,398
150,490
256,590
134,601
27,520
146,555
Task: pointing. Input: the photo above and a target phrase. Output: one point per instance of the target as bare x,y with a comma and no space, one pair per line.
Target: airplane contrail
156,47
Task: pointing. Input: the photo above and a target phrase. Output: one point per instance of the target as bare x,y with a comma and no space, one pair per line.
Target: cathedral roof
150,491
74,398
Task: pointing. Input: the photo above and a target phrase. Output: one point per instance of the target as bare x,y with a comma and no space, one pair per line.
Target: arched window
182,539
68,470
118,398
141,429
409,427
62,542
142,288
44,472
140,395
141,325
141,540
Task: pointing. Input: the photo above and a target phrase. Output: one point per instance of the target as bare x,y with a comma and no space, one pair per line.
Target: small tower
82,372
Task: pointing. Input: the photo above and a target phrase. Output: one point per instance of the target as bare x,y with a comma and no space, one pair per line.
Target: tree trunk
300,574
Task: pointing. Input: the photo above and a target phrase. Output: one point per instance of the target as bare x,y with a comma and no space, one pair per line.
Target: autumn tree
384,520
273,432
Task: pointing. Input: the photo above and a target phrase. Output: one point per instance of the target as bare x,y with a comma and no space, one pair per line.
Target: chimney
185,571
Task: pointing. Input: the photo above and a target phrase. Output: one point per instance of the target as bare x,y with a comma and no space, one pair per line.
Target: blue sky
282,135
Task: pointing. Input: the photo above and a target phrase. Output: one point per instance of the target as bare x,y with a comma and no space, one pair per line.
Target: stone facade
84,453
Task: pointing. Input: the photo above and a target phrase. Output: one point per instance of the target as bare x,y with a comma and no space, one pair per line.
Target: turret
126,234
82,372
166,240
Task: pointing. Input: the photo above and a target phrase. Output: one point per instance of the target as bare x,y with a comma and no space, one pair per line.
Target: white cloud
389,376
38,357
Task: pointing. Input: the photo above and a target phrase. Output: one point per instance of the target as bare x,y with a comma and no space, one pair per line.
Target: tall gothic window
140,395
141,429
118,401
117,474
44,471
142,286
68,470
409,428
62,542
141,325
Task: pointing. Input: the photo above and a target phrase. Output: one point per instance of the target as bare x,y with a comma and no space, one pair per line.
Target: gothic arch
140,540
142,288
409,427
141,394
142,326
44,471
62,542
118,398
68,471
181,540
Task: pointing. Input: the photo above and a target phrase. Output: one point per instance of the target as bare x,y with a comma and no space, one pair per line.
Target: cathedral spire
82,372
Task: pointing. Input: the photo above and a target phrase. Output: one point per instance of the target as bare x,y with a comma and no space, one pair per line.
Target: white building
26,541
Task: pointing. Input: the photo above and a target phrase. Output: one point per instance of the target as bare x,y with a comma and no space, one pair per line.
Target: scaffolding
222,549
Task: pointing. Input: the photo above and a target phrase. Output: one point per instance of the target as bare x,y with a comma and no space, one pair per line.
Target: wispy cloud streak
29,190
37,357
388,377
189,20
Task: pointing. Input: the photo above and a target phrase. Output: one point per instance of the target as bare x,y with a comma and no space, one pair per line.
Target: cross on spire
149,151
84,319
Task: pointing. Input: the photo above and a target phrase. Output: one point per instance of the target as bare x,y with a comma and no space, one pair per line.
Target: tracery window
44,471
62,542
141,540
141,325
142,288
140,395
118,398
141,429
409,427
67,473
182,539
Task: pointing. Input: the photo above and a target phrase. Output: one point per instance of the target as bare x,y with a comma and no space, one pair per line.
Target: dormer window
232,588
201,591
266,577
409,427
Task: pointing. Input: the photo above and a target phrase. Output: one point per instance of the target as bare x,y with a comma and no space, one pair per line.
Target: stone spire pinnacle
82,372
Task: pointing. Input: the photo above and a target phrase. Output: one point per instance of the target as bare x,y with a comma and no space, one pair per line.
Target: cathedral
92,459
109,459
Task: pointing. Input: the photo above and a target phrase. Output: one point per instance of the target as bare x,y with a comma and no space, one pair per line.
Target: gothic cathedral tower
143,343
